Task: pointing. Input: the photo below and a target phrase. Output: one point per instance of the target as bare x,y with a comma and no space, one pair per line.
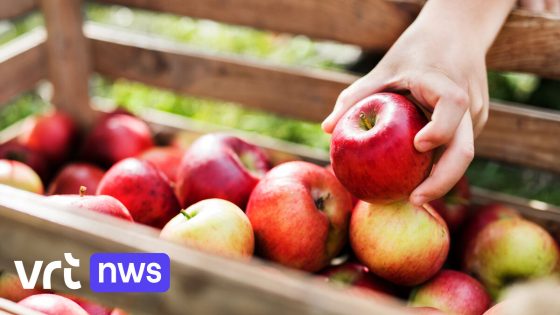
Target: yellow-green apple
453,292
356,275
52,304
166,159
12,150
454,206
51,134
19,175
372,148
511,250
480,218
116,137
300,214
213,225
220,166
142,189
398,241
75,175
102,204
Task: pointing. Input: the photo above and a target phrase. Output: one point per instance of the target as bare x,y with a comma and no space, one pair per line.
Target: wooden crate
68,51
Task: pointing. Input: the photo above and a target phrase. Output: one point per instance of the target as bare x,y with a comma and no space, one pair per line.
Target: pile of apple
356,229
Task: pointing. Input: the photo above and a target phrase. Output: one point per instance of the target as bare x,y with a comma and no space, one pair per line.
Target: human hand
541,6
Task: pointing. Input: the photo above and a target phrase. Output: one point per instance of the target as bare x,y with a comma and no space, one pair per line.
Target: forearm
476,21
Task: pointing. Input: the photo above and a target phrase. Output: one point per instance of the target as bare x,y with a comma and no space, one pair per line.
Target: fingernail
423,146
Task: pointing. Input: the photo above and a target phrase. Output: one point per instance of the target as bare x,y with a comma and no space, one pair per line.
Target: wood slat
372,24
514,134
22,64
10,9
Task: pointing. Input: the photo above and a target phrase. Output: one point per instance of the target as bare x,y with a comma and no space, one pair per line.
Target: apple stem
365,121
186,214
320,202
82,191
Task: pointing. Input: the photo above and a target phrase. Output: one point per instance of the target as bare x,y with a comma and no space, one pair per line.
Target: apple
213,225
11,288
52,304
166,159
453,292
220,166
479,219
454,206
398,241
354,199
102,204
52,135
372,148
300,215
73,176
426,311
511,250
142,189
116,137
19,175
356,275
90,307
18,152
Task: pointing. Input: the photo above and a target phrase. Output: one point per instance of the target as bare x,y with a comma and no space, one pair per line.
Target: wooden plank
31,229
515,134
10,9
22,64
69,63
373,24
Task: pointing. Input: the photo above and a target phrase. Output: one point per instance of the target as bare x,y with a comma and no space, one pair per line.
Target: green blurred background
285,50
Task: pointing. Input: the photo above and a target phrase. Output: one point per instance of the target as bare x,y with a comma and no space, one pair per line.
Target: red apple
372,148
356,275
354,199
73,176
166,159
480,218
11,288
454,206
116,137
19,175
398,241
90,307
300,214
143,190
102,204
52,135
18,152
52,304
452,292
213,225
511,250
220,166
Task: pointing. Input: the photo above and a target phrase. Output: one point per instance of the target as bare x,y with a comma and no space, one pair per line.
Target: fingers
552,6
450,167
360,89
450,104
533,5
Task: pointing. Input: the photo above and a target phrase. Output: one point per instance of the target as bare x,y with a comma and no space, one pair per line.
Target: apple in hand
452,292
220,166
116,137
52,304
15,151
454,206
356,275
73,176
300,214
372,148
213,225
142,189
166,159
52,135
398,241
19,175
102,204
511,250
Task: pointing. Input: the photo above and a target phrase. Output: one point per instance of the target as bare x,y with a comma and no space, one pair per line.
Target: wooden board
372,24
515,134
10,9
22,64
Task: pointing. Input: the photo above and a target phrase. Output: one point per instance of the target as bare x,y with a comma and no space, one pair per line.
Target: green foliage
12,29
23,106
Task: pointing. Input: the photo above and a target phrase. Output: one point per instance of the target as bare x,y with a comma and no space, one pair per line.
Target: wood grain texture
22,64
69,63
520,135
372,24
10,9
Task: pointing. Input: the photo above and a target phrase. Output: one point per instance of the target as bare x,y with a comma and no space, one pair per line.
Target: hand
541,6
448,78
